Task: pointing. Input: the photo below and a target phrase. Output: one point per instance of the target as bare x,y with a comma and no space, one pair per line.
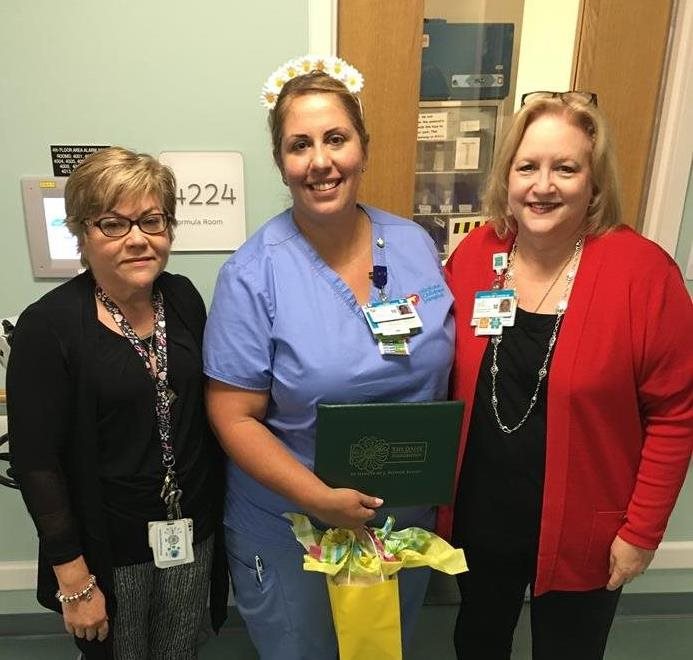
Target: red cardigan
620,400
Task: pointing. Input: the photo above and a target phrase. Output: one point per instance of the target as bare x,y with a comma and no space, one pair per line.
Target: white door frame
674,147
322,27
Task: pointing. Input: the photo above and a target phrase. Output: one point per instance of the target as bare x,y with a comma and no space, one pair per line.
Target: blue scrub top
283,321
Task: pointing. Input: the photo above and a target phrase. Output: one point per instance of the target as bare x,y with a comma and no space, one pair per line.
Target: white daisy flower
334,67
353,79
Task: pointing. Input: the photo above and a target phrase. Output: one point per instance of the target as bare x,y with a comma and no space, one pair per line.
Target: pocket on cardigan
605,524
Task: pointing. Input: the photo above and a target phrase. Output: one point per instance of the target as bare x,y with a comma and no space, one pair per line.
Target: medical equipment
7,477
6,339
53,249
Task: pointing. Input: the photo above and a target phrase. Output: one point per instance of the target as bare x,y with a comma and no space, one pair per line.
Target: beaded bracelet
85,594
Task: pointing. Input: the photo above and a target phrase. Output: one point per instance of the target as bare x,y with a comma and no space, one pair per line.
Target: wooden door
621,56
382,39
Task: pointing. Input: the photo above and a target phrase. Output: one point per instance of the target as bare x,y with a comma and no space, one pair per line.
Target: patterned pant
160,611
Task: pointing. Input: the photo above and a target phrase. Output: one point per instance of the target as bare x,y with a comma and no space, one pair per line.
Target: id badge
498,303
392,318
171,542
398,346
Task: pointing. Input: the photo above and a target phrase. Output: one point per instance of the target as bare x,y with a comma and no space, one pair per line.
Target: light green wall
683,247
153,75
18,542
681,523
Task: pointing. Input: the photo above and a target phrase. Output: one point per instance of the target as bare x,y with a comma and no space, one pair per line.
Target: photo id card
392,318
171,542
496,303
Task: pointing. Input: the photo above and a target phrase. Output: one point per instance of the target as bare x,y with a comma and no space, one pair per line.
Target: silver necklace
560,311
553,284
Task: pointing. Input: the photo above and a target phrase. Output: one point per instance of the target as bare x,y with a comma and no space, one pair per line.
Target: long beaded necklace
560,311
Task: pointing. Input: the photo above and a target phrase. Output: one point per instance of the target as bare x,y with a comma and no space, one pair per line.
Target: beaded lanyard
170,492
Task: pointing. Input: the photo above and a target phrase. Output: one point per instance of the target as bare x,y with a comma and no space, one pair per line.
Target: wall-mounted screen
52,248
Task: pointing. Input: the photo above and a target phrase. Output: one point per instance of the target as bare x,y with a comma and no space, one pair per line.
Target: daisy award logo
369,454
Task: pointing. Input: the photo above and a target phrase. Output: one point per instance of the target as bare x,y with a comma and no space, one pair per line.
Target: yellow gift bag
366,619
361,567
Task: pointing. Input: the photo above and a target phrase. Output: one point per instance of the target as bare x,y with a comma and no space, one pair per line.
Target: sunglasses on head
586,98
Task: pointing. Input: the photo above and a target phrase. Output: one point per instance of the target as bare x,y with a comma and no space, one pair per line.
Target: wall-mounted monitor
52,248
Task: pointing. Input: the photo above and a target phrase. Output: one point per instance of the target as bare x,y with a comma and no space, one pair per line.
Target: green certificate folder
405,453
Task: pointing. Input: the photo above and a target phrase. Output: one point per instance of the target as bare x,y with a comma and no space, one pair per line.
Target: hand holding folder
346,507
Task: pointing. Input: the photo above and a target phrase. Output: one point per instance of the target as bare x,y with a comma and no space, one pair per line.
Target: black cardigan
62,326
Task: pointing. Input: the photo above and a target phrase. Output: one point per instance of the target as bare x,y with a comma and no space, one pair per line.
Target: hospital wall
684,246
161,75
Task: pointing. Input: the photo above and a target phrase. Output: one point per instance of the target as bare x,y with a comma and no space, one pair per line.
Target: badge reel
494,309
391,322
171,541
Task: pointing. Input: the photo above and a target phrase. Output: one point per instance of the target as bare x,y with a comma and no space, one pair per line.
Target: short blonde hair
107,177
604,211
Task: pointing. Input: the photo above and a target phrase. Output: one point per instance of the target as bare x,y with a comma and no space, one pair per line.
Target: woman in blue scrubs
286,331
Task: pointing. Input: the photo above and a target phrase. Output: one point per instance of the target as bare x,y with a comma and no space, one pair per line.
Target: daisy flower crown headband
333,66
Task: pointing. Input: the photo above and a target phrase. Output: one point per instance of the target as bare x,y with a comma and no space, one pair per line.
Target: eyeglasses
585,98
119,226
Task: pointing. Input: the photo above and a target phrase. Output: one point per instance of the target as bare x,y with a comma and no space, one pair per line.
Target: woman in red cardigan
580,428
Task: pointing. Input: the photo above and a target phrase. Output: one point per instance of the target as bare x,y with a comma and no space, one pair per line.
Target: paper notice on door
470,126
467,153
433,126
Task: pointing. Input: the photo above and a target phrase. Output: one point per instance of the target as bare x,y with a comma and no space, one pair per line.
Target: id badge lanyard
495,308
379,278
170,491
391,322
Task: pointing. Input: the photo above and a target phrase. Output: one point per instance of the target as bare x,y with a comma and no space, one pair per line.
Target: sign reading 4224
210,206
208,193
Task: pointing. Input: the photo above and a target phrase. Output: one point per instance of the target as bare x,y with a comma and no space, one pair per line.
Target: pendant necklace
560,311
148,343
553,284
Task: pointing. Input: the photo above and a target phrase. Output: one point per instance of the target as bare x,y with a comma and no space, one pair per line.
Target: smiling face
321,158
550,182
129,264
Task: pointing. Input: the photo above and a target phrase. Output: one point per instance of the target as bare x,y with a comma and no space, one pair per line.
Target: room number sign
210,203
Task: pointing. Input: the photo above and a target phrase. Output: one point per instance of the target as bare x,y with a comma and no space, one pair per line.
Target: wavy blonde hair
604,211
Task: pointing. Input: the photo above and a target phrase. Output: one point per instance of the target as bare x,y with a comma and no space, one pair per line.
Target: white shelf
450,172
457,214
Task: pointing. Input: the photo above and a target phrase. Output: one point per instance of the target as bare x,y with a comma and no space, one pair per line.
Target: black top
130,467
75,428
502,479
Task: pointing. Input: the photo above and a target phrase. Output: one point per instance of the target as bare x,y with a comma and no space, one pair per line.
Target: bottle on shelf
439,158
446,204
424,205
